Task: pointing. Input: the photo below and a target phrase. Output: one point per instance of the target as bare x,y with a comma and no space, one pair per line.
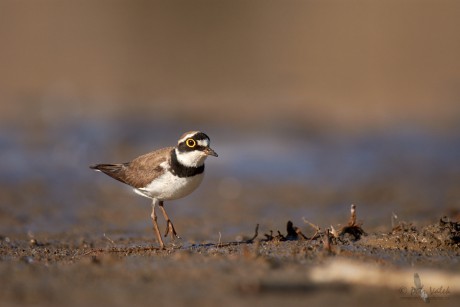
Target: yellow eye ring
191,143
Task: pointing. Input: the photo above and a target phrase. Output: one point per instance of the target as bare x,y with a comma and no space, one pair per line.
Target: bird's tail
115,171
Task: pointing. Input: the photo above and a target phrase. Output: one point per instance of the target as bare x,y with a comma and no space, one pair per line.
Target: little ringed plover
165,174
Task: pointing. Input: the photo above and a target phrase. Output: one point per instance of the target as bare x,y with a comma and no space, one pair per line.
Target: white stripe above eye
189,135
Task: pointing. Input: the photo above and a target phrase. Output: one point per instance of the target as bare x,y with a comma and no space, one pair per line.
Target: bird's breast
169,186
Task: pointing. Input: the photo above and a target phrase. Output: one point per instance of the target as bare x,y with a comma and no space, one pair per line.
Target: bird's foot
170,229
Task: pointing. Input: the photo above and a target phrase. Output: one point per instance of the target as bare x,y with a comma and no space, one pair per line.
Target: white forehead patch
204,143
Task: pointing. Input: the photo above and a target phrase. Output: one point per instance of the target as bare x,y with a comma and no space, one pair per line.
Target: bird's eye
190,143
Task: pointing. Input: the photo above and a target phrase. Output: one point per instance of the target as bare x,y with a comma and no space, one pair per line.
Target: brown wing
139,172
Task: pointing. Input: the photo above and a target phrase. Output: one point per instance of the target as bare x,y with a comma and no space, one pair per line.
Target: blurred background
311,105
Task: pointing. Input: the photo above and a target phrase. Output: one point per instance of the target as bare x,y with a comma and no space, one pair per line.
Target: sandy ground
265,268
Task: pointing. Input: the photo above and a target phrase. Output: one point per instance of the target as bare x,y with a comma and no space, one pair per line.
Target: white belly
168,187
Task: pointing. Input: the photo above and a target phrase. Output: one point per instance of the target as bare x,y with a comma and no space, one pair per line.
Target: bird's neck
186,164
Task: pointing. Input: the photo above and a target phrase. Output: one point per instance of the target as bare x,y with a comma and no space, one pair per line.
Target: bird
165,174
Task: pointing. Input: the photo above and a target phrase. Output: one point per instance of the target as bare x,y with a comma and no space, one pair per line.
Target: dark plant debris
353,228
328,236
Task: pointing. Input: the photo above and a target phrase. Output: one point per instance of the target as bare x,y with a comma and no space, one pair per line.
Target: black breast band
181,170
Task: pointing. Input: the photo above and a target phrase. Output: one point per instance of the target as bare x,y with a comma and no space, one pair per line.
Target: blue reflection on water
56,158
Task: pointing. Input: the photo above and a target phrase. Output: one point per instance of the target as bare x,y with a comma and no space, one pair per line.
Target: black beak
210,152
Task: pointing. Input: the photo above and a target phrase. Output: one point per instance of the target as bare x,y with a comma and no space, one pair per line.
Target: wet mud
264,267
